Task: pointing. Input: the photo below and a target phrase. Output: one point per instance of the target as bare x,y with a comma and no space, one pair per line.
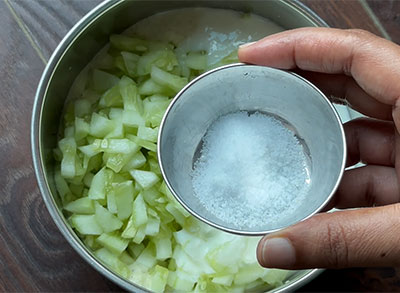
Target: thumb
353,238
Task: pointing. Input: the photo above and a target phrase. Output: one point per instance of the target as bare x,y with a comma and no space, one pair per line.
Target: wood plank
49,21
34,256
343,14
388,13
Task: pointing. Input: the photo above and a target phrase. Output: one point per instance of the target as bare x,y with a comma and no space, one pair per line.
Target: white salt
252,169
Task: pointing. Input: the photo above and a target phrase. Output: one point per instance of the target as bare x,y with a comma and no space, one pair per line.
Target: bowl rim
38,157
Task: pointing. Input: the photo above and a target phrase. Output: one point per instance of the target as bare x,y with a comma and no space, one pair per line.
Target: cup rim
180,199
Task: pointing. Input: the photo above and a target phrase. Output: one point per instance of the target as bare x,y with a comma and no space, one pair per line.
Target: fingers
364,237
352,52
370,141
367,186
344,88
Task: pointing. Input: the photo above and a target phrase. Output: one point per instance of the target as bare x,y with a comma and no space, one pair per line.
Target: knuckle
337,252
360,37
359,33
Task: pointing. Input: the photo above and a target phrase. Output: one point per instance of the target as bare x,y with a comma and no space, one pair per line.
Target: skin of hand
362,70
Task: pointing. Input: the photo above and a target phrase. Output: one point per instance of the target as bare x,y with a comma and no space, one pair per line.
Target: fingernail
246,45
277,253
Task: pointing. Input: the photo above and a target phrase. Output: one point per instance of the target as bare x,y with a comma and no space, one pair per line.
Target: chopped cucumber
82,205
170,80
113,242
86,224
106,219
109,181
145,179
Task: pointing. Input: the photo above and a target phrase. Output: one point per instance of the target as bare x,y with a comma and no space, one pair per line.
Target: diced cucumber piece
106,220
86,224
132,118
130,61
67,147
100,126
119,146
130,96
154,167
118,131
249,273
119,63
113,261
82,205
152,226
115,114
223,280
196,60
111,203
164,59
275,277
151,195
135,249
165,78
61,186
147,257
140,235
145,179
139,211
158,276
124,194
98,186
148,133
130,229
180,281
90,241
111,98
115,162
81,128
154,111
126,258
150,87
143,143
163,248
113,242
76,189
92,149
179,217
136,161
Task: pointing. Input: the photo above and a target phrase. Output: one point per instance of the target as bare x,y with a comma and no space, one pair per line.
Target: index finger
372,61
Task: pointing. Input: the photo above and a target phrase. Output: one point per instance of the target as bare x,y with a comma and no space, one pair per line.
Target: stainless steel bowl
78,47
243,87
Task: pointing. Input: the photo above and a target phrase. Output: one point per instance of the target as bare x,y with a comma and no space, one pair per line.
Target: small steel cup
241,87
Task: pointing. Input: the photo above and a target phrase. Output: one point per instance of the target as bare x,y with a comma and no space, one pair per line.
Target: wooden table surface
34,256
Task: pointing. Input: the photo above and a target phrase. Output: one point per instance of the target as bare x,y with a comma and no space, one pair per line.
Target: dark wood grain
33,254
388,13
49,21
343,14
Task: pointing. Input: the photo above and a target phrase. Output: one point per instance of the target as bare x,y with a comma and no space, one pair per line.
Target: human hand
364,71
